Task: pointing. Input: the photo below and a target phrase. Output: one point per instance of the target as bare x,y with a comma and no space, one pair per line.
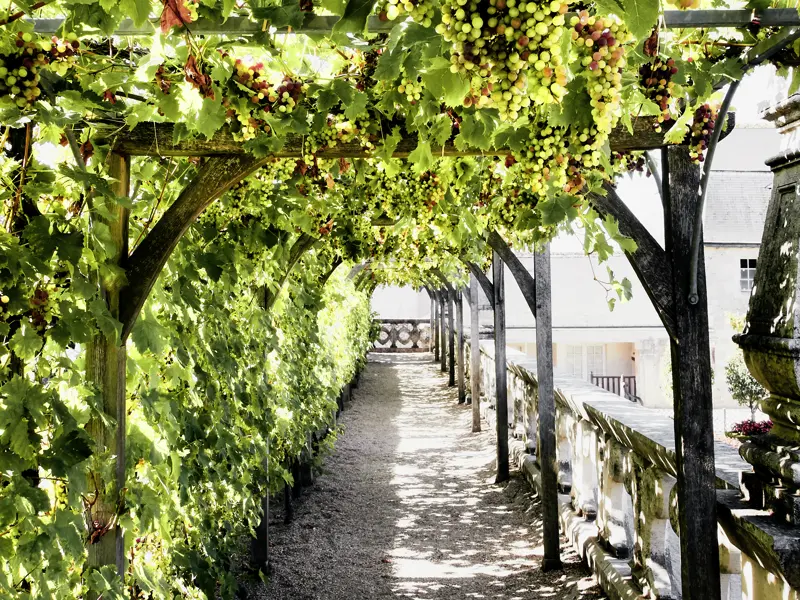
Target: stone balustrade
618,497
404,335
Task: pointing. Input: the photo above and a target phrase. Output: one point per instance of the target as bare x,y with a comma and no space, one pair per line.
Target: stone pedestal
771,340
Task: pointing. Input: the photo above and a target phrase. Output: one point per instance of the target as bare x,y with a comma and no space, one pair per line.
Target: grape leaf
444,85
476,131
421,158
356,106
386,149
354,19
138,10
286,15
25,343
148,334
558,209
175,14
639,15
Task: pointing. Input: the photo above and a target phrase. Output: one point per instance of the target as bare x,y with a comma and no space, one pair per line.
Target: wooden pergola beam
323,25
158,139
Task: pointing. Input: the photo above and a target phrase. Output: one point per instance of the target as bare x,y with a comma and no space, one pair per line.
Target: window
594,360
574,364
747,273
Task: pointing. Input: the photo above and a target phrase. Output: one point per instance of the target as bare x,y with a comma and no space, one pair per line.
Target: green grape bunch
601,43
421,11
21,63
412,89
510,49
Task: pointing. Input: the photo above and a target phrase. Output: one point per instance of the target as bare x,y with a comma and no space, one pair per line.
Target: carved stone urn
771,339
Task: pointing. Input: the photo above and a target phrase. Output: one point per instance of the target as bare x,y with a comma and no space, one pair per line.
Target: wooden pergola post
106,367
546,446
451,336
691,380
443,329
432,343
462,392
475,353
501,375
437,320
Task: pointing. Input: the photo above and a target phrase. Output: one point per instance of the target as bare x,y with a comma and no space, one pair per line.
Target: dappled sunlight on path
407,507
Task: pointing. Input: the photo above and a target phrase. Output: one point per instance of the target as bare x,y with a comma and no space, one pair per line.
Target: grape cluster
19,69
411,89
656,80
629,162
406,195
705,119
264,98
600,41
337,130
367,65
510,49
421,11
544,163
684,4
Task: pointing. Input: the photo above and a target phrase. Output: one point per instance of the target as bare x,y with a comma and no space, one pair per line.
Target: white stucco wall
392,302
725,298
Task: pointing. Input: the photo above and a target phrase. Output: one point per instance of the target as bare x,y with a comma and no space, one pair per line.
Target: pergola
673,277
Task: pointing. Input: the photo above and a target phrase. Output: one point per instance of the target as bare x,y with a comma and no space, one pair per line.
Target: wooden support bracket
215,177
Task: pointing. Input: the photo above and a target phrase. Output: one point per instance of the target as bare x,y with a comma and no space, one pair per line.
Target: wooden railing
403,335
621,385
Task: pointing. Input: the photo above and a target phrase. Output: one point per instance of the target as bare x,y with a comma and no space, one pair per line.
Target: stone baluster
614,506
584,472
565,432
656,551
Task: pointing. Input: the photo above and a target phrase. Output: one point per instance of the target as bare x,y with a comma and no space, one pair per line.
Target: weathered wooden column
475,353
106,363
691,380
462,392
437,319
451,336
432,335
546,445
443,330
500,367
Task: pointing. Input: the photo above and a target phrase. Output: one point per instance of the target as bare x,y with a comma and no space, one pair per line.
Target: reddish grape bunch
705,118
656,79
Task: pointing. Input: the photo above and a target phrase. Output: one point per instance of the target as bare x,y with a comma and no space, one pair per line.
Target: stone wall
618,498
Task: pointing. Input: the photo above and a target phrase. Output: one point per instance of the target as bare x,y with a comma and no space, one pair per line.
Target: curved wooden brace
301,245
334,265
649,261
215,177
523,277
487,286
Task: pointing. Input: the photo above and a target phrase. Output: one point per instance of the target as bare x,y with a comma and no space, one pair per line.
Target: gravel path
406,507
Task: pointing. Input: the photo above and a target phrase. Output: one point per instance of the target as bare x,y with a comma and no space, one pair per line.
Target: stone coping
648,432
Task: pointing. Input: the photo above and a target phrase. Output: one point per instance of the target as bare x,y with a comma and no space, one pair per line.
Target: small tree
743,387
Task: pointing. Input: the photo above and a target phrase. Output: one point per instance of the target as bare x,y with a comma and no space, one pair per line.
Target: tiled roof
736,205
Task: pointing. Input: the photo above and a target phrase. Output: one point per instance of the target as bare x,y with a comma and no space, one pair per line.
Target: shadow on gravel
407,508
